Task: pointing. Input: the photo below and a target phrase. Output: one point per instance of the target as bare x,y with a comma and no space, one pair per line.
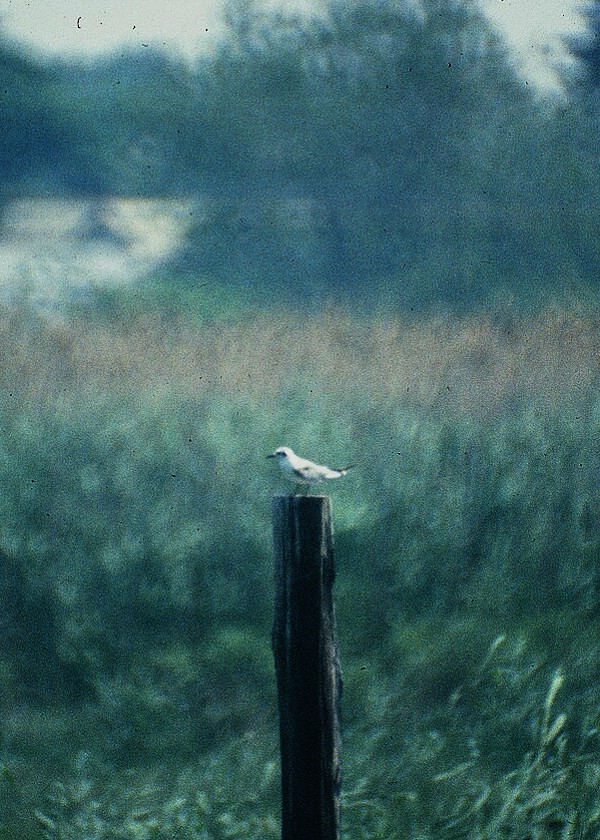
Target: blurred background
367,230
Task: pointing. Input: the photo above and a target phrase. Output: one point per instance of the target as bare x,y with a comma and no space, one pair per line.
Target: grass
136,675
479,366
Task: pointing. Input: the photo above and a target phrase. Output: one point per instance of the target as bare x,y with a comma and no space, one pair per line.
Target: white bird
301,471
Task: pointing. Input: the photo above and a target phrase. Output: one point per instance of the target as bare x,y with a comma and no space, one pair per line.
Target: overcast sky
534,29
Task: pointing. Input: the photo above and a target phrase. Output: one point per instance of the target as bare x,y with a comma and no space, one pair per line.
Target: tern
304,472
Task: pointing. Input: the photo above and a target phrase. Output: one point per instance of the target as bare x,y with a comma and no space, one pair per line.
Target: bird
303,472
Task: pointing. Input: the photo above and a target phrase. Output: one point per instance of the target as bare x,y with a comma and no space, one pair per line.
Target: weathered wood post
307,666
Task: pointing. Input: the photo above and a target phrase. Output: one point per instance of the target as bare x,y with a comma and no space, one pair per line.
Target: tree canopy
382,152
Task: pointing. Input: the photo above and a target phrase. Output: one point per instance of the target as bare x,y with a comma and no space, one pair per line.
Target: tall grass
478,366
135,542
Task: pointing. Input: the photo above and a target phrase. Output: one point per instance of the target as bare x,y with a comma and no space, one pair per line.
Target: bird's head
281,453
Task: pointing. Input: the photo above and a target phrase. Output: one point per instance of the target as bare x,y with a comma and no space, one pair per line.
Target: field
135,670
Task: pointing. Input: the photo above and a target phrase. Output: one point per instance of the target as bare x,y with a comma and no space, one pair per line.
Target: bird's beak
272,455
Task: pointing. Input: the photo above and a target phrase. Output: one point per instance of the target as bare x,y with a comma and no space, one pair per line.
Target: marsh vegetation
137,582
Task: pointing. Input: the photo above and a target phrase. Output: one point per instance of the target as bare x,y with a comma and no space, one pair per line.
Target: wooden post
307,666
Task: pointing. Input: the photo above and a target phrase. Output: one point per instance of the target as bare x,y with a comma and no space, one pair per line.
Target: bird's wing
303,469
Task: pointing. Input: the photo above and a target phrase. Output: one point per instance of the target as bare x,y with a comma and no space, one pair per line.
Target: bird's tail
345,469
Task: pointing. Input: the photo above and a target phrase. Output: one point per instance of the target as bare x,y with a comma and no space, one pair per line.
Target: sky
533,29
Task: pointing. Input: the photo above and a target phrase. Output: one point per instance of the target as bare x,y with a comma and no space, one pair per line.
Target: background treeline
378,153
